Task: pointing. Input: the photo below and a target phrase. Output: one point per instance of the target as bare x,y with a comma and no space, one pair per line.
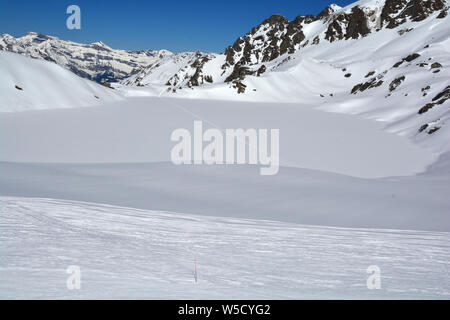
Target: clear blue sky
205,25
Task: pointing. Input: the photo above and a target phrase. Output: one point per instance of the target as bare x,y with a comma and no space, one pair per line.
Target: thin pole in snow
195,270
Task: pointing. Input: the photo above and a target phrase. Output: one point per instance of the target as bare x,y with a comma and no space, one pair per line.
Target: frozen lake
139,130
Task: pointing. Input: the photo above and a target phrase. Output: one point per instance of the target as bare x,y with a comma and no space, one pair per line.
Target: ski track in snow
130,253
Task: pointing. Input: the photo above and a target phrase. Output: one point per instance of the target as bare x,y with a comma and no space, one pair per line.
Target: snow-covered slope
30,84
124,253
95,61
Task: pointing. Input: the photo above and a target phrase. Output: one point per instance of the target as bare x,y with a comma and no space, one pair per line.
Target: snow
294,195
137,254
45,85
139,129
358,186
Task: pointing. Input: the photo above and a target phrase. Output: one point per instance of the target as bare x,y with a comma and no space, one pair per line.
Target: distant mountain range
95,61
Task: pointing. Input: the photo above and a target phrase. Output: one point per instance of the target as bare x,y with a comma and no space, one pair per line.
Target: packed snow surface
129,253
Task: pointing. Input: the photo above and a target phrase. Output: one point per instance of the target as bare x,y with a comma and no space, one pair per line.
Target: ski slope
137,254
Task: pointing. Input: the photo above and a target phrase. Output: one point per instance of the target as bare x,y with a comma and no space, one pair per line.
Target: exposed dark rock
411,57
357,24
436,65
316,40
419,10
395,83
282,37
334,31
398,64
439,99
108,85
198,78
435,129
442,14
354,23
424,90
197,63
261,70
397,12
239,86
371,73
403,31
327,12
423,128
426,108
389,12
348,75
443,95
361,87
19,88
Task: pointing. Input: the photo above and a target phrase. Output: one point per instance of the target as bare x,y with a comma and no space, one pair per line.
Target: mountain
31,84
179,69
95,61
384,59
272,43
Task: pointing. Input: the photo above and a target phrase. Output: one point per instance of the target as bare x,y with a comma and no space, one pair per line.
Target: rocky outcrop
348,26
273,38
397,12
439,99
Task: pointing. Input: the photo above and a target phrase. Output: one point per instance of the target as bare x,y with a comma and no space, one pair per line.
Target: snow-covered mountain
385,59
95,61
30,84
275,41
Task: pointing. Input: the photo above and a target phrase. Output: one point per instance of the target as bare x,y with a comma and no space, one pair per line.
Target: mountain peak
329,10
276,18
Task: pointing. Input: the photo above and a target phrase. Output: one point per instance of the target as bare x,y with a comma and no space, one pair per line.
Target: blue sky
208,26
